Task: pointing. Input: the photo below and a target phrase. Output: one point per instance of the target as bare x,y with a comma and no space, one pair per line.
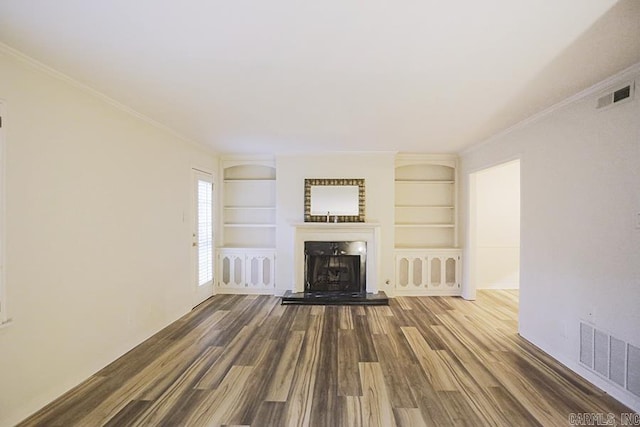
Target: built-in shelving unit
426,232
246,259
249,209
425,202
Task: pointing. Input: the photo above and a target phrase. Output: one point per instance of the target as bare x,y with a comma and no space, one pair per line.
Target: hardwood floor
247,360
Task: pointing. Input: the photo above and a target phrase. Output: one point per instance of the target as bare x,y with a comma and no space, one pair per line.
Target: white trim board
624,75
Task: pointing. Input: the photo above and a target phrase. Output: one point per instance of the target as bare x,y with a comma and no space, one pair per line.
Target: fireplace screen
335,266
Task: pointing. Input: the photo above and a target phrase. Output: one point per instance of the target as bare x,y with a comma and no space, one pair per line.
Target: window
205,231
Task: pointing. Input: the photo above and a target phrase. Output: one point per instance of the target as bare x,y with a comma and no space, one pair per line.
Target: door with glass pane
202,235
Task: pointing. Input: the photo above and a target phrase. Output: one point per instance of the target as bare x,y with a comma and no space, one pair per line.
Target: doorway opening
494,229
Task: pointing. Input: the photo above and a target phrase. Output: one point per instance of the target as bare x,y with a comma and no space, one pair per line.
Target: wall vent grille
633,369
624,93
617,368
601,353
612,358
586,345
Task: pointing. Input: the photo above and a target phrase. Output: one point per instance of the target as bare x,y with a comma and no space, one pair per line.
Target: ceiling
248,76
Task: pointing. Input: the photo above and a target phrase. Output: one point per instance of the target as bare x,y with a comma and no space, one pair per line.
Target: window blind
205,232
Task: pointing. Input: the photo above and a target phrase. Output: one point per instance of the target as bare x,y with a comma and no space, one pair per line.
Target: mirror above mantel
334,200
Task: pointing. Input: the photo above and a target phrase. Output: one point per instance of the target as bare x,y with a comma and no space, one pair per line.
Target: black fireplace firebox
335,273
335,267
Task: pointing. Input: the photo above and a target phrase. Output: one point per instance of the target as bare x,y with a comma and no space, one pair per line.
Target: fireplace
336,263
335,267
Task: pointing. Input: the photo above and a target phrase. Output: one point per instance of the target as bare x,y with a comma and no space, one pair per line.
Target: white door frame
206,290
4,319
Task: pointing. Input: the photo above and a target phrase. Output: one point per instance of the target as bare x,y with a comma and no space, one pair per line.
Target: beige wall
579,241
97,234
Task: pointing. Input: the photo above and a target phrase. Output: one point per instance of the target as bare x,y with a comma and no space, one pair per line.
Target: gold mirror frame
309,182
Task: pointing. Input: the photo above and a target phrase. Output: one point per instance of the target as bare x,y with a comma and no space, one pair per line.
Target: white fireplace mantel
341,231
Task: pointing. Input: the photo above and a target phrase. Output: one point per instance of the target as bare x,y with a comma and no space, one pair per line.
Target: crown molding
625,75
35,64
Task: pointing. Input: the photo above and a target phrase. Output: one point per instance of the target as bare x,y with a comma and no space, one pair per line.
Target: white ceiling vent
624,93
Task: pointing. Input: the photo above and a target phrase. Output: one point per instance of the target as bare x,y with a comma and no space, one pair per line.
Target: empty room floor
247,360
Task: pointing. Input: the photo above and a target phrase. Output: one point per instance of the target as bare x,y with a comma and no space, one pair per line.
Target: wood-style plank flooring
247,360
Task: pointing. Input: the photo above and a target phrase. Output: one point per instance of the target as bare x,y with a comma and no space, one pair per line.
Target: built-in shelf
248,225
425,225
426,206
423,181
249,203
418,247
271,208
232,247
246,270
244,181
425,201
428,271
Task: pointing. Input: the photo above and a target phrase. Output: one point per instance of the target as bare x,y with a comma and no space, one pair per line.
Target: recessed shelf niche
425,202
249,205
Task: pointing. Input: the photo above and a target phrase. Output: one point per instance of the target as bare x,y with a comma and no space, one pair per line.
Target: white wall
497,213
98,237
378,171
580,245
